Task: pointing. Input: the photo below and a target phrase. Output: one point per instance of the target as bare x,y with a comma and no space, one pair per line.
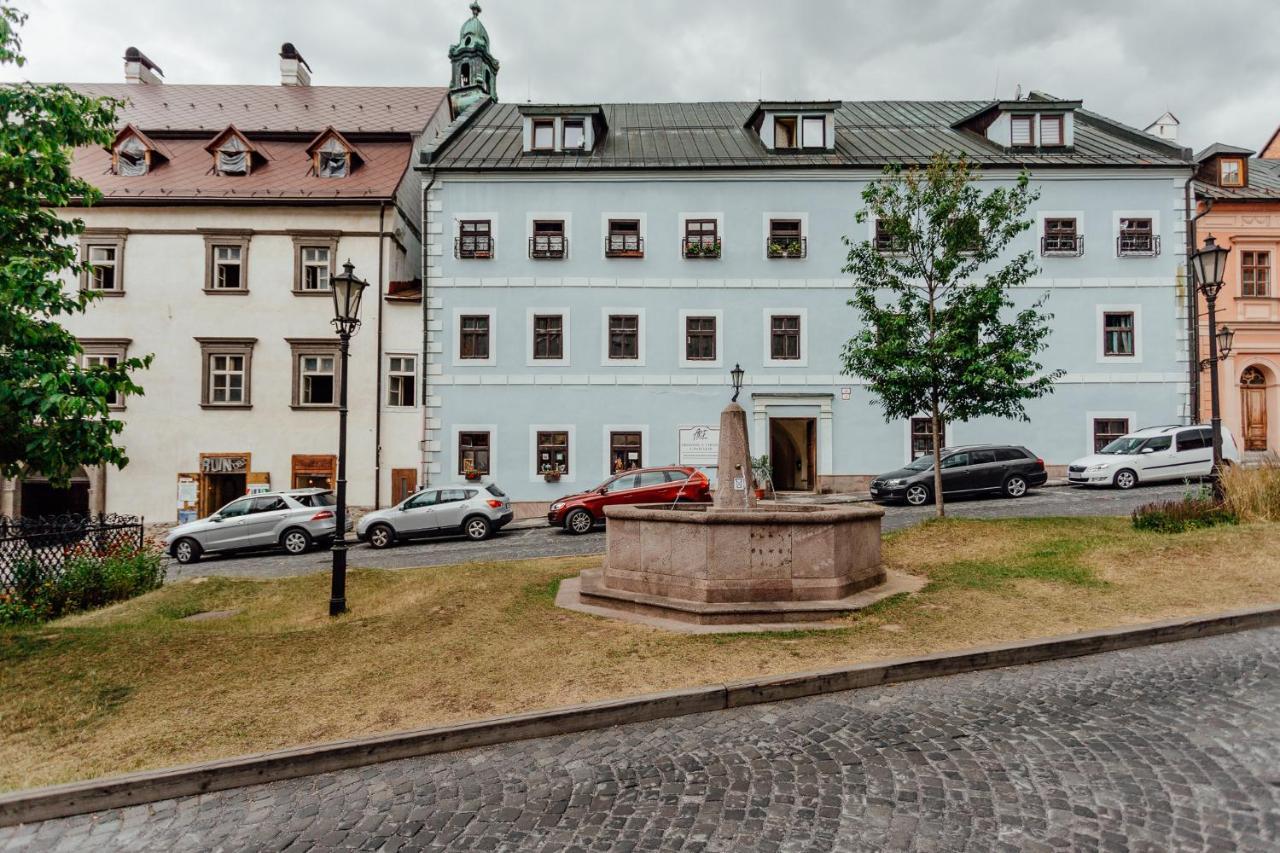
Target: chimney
294,70
140,70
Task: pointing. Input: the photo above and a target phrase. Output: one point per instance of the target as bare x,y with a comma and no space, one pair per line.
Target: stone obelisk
735,488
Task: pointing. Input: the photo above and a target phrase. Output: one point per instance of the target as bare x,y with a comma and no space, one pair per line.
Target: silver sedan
292,520
471,510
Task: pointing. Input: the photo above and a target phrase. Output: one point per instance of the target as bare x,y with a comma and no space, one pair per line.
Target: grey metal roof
1223,148
868,134
1264,184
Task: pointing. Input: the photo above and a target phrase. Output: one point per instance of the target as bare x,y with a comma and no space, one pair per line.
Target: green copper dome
473,33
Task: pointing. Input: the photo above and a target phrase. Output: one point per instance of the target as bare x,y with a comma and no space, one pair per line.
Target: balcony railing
623,246
1062,245
1138,245
788,247
890,245
542,248
701,247
473,247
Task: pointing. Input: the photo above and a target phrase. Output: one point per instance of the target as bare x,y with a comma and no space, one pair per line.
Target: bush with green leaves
87,579
1193,512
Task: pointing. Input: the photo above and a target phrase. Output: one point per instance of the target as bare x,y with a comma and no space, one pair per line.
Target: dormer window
1051,131
562,128
574,135
233,157
813,130
784,132
1022,130
132,158
544,134
333,160
1231,172
795,125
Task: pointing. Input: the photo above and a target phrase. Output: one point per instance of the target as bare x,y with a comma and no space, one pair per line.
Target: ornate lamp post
1210,266
735,376
347,291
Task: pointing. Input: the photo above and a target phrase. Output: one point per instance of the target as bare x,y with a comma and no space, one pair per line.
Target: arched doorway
1253,408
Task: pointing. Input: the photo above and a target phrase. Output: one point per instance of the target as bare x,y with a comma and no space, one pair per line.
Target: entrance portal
793,454
1253,390
223,478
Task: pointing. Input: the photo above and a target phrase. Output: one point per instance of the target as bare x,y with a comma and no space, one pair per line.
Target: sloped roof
714,135
1264,184
285,109
1222,148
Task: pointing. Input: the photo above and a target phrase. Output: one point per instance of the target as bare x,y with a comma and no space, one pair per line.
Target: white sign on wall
699,445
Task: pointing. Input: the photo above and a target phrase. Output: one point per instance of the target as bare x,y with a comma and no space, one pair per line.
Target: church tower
475,71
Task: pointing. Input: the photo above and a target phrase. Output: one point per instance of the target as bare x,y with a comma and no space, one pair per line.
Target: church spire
475,71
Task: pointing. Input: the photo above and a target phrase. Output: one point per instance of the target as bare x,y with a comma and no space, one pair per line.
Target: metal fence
35,549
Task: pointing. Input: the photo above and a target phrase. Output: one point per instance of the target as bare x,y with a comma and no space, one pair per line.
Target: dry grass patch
133,686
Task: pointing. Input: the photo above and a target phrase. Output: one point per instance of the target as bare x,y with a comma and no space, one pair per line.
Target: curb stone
154,785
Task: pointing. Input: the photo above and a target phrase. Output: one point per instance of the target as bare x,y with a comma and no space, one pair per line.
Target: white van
1152,455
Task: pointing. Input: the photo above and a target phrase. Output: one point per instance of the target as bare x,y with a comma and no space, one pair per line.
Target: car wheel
1015,486
477,528
186,551
382,536
295,541
579,522
917,495
1125,480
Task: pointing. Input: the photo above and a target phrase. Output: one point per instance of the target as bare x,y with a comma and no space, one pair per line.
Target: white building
226,210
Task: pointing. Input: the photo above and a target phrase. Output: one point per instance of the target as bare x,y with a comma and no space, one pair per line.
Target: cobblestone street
1173,747
542,541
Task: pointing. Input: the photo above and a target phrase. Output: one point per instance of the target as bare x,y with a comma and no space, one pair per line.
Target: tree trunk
937,460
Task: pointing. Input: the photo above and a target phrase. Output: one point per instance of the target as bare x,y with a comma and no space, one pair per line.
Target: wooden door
1255,418
404,482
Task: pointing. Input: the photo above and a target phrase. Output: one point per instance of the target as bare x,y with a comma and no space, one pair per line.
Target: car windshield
1125,445
924,463
495,491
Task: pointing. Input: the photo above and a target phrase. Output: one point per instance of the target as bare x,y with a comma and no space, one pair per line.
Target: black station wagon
1004,468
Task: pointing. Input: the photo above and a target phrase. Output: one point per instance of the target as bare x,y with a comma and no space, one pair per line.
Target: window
315,268
813,130
784,338
227,368
1231,172
233,157
105,354
701,238
226,268
700,338
1117,333
473,334
785,239
544,134
315,375
1194,439
1021,130
333,160
886,240
235,509
1255,273
625,451
784,132
227,378
624,337
132,158
1051,131
423,499
553,453
475,239
922,437
1137,237
1107,430
573,136
956,460
548,336
473,453
624,240
402,380
1060,237
548,239
1010,454
102,275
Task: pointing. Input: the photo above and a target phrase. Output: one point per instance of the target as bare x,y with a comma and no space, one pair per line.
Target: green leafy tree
54,413
940,333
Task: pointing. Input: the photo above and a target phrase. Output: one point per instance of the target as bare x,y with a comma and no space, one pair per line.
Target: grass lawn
133,687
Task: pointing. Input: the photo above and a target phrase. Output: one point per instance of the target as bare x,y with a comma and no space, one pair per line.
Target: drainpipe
1193,302
377,385
426,309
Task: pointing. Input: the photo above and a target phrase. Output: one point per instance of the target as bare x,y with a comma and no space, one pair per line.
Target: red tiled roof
292,109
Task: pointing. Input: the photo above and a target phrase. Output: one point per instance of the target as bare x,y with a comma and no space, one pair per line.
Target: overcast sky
1215,65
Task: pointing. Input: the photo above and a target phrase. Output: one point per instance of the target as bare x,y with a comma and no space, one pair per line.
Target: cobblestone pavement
522,544
1173,747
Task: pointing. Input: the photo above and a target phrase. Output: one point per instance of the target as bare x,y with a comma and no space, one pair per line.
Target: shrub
87,579
1193,512
1253,494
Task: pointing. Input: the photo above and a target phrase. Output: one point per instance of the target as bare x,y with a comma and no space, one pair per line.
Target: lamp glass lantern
1226,337
1210,264
347,292
735,376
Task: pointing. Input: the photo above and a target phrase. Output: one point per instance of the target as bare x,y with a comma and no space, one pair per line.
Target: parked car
1005,468
579,513
1152,455
470,510
292,520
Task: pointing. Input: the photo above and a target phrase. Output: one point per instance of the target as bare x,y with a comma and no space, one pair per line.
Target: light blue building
594,271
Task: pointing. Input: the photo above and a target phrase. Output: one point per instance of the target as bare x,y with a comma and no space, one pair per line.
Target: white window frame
417,385
534,475
642,329
530,361
769,216
214,373
114,263
303,373
642,218
1100,312
326,265
1090,417
456,335
606,451
767,353
685,314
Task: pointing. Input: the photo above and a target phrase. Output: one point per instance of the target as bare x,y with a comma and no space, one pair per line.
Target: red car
579,513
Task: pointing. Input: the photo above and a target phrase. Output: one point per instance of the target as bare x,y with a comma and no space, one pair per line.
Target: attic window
233,157
333,160
1231,172
544,134
813,131
784,132
1051,131
574,136
132,158
1021,130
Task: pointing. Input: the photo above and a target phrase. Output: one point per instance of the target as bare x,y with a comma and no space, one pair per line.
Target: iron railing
1138,245
788,247
701,247
1071,245
623,246
34,549
473,247
541,248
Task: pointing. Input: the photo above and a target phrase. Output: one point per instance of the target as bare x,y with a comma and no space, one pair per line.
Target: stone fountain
735,565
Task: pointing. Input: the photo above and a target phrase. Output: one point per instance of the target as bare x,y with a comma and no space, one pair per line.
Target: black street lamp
1210,266
735,376
347,291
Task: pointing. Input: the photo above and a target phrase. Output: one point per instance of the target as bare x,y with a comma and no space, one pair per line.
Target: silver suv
292,520
471,510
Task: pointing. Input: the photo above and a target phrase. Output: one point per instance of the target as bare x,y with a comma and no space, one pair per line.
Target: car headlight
897,482
1101,466
557,506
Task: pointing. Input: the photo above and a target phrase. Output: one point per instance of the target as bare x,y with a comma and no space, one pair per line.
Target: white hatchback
1153,455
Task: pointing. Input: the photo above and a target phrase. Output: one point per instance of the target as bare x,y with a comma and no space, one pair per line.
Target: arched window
1253,376
464,74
